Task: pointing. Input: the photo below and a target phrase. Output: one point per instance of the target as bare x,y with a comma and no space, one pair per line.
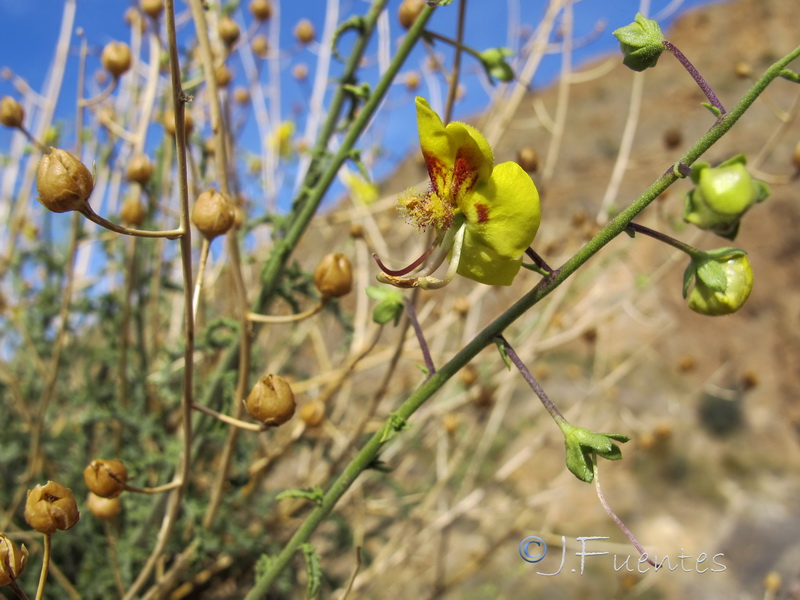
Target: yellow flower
485,216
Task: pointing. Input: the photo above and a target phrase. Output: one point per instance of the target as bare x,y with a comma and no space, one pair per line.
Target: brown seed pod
104,509
212,214
304,32
334,276
409,11
260,46
169,122
261,10
313,413
223,75
300,71
228,31
241,95
152,8
11,112
64,183
51,507
412,80
116,58
528,159
140,169
133,211
106,478
12,560
271,401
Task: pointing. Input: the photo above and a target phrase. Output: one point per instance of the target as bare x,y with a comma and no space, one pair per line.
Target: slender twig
539,261
663,237
153,490
229,420
628,533
45,566
114,558
89,213
452,93
707,90
18,590
277,319
423,345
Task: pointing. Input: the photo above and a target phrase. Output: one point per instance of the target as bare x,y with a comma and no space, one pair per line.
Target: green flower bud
723,280
722,195
494,61
641,43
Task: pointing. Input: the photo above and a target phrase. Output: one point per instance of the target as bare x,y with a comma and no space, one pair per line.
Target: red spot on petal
483,213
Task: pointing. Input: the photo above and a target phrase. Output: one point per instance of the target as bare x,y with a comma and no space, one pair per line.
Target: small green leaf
315,494
313,569
390,305
714,109
393,426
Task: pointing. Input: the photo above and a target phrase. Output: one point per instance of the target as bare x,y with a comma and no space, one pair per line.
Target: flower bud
51,507
313,413
116,58
722,195
228,31
212,214
304,32
104,509
11,112
334,276
106,478
722,280
12,560
260,46
495,64
140,169
261,10
409,11
641,43
64,183
152,8
271,401
132,211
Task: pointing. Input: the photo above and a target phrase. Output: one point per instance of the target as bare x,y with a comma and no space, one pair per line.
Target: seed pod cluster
271,401
51,507
64,183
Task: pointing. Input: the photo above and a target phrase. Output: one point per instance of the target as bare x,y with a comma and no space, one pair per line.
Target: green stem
430,386
454,43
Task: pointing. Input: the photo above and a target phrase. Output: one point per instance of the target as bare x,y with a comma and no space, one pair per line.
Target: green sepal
393,426
313,569
315,494
640,42
501,348
714,109
581,444
390,304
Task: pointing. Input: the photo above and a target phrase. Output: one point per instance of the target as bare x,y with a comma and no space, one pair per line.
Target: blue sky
29,30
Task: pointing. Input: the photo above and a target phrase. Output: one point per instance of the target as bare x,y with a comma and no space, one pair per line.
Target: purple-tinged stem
712,97
404,270
426,353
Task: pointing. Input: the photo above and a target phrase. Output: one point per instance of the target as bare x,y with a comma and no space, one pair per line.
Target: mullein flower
484,215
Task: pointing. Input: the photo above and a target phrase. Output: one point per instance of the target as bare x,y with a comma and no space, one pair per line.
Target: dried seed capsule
409,11
223,75
64,183
152,8
528,159
313,413
300,71
228,31
140,169
116,58
51,507
260,46
12,560
11,112
104,509
271,401
133,211
169,122
212,214
106,478
304,32
334,276
261,10
241,95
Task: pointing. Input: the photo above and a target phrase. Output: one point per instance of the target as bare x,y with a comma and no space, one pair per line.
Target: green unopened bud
494,61
723,280
12,560
722,195
64,183
640,42
334,276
